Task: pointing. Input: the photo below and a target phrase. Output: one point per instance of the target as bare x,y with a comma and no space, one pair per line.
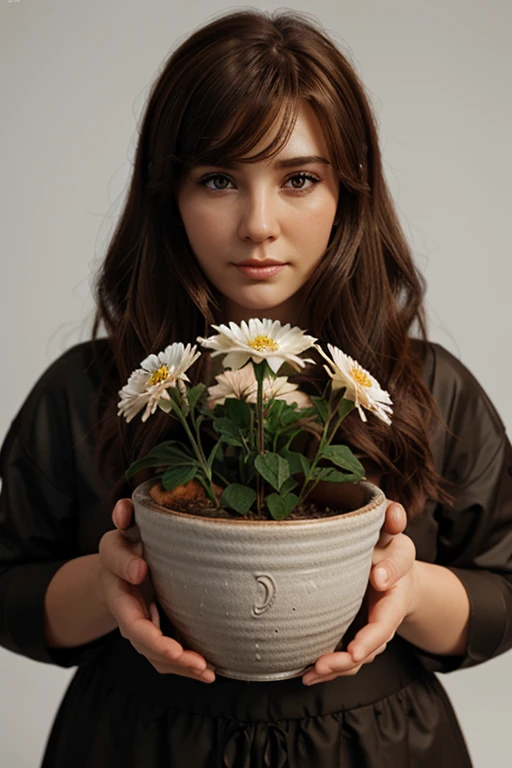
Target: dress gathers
119,712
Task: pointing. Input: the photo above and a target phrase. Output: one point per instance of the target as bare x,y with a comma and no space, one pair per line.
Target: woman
258,143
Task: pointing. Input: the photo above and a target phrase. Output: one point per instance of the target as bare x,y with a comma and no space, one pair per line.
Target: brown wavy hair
246,71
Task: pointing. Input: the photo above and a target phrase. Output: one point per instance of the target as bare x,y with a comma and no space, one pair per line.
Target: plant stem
198,452
259,372
222,478
308,479
251,429
261,439
324,442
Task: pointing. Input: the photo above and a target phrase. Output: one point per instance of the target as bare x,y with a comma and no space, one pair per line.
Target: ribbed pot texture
260,600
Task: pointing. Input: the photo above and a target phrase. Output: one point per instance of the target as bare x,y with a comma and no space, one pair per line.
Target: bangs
247,128
232,114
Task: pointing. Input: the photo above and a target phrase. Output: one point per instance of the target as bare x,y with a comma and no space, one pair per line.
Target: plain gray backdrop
74,78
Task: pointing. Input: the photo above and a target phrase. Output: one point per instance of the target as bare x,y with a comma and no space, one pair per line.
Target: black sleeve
475,535
39,521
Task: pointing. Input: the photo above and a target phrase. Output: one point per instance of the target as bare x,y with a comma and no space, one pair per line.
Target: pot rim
141,495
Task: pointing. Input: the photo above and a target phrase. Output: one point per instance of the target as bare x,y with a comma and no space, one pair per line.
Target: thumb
123,519
394,523
122,514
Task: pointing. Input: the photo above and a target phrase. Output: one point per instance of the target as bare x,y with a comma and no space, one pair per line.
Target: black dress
119,711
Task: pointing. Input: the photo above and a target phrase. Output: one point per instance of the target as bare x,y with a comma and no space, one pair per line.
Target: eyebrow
289,162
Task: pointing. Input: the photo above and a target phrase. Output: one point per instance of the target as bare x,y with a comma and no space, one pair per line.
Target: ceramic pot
260,600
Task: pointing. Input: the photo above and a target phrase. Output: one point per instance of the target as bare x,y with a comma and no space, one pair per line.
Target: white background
74,78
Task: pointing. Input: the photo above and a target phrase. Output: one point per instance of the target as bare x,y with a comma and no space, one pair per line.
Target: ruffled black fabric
395,714
119,711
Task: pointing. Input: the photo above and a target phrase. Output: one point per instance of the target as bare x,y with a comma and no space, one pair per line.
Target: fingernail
382,576
311,680
134,570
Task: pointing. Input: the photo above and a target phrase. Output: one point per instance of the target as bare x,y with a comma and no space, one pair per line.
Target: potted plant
250,571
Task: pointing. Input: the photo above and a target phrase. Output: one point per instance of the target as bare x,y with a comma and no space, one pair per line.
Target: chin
260,299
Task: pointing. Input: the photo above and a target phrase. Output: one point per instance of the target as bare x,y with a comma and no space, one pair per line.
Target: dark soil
204,508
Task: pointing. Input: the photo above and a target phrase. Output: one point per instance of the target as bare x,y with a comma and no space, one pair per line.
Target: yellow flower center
158,376
262,343
360,377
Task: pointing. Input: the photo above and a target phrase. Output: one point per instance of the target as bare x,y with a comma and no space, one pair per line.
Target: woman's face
280,209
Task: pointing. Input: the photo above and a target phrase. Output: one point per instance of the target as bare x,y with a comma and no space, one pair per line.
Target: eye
298,181
301,177
213,177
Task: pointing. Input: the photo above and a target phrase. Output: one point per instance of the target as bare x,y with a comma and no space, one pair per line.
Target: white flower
361,387
259,340
242,385
282,389
147,386
236,384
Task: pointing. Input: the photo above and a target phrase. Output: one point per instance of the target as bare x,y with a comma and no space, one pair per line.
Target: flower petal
259,340
235,359
360,386
150,363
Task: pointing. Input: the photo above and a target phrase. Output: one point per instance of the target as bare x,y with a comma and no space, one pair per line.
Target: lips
260,264
262,271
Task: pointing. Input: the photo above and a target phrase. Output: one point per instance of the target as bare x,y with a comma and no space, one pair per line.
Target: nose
258,218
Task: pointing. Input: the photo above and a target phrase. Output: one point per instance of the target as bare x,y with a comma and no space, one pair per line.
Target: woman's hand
388,597
122,569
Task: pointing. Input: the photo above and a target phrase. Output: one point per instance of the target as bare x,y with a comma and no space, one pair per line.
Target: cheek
313,227
200,218
317,212
206,233
206,230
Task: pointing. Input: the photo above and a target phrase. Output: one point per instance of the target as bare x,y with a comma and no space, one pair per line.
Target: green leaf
195,393
219,456
289,416
342,456
331,475
242,469
211,457
275,410
282,415
321,407
305,413
238,412
246,467
175,476
273,468
290,439
345,406
280,505
296,461
288,486
225,426
228,430
204,482
166,405
238,497
275,406
161,455
232,441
